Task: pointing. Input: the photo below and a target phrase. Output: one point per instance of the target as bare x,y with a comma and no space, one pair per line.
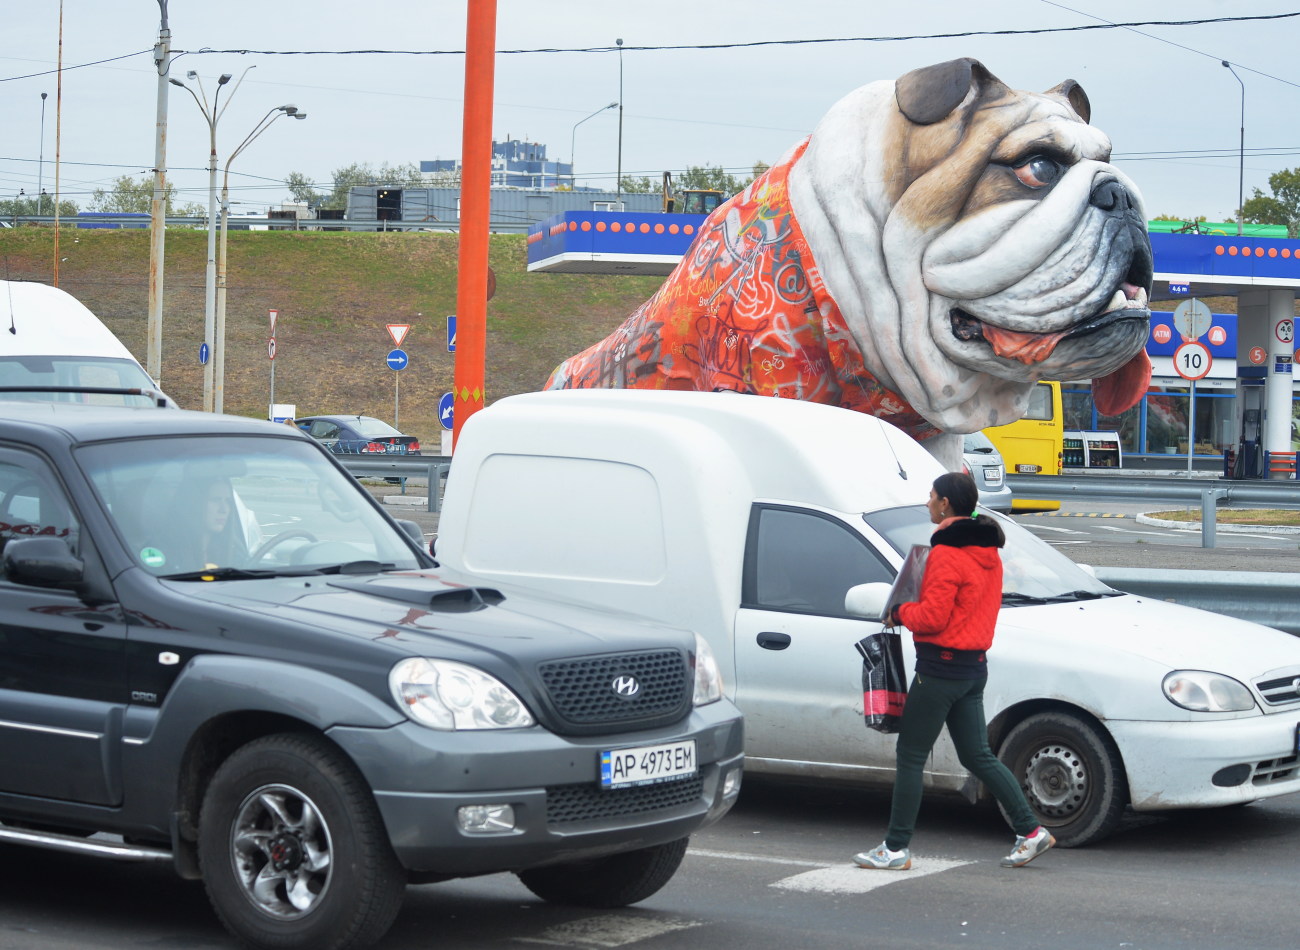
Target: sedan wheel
1071,773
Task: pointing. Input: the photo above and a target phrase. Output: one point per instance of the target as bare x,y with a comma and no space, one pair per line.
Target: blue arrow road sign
203,352
397,359
445,409
451,333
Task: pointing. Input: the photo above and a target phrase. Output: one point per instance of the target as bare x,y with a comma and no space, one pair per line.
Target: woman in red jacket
952,625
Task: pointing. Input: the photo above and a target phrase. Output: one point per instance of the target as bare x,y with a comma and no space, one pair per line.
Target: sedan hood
1169,635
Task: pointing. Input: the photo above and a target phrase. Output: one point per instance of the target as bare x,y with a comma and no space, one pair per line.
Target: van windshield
73,372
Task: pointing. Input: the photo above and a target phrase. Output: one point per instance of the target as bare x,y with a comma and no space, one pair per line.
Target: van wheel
616,881
1071,773
293,850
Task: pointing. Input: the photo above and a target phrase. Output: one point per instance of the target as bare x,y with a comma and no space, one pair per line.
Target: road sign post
1192,361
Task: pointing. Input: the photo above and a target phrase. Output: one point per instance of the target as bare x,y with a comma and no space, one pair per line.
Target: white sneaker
882,859
1029,847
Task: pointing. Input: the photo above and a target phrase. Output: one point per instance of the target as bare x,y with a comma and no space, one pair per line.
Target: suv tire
293,850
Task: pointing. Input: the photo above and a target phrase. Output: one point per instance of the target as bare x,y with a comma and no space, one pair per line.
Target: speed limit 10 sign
1192,361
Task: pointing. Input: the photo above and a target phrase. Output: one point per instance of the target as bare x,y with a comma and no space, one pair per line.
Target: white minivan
53,348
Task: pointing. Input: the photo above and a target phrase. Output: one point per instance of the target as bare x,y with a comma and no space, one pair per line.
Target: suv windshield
76,372
1031,569
239,504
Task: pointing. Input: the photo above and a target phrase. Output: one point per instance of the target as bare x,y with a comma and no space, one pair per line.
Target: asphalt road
775,874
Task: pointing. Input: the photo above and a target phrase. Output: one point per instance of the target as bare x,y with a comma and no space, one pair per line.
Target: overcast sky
1171,110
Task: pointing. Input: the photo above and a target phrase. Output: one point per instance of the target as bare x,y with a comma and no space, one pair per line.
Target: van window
588,519
805,562
74,372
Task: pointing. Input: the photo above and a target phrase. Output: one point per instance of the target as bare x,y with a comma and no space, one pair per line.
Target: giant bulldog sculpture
935,247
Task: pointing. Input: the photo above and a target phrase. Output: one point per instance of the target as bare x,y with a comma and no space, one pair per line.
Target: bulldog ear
1077,98
928,94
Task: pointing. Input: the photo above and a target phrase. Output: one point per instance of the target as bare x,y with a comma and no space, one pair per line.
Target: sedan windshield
369,428
233,507
1032,570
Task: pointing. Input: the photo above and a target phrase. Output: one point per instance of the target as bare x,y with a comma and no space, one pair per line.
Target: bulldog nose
1110,195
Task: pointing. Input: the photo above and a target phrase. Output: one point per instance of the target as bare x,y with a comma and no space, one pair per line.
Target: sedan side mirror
867,600
42,562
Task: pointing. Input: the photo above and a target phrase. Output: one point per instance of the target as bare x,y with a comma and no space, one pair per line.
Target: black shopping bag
884,686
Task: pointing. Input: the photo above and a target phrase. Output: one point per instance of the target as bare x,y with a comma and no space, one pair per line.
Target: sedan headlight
442,694
708,678
1200,691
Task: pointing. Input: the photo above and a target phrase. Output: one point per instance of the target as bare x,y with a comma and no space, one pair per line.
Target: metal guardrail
1280,493
432,467
1258,596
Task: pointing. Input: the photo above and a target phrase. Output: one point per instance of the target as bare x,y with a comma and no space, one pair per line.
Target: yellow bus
1034,444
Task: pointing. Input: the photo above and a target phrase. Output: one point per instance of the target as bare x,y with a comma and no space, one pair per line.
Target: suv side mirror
867,600
42,562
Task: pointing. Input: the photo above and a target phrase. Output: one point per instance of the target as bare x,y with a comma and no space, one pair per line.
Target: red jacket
961,591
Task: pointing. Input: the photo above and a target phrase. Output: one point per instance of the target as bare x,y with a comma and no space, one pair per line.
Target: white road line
760,858
855,880
609,931
1052,527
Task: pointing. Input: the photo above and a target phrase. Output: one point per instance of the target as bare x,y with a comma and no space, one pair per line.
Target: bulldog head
976,240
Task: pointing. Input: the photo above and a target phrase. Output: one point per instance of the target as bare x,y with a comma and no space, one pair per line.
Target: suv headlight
708,678
1200,691
442,694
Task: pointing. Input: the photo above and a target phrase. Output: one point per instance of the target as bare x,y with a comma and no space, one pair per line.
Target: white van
53,348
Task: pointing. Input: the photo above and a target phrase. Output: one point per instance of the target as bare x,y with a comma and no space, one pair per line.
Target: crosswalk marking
854,880
609,931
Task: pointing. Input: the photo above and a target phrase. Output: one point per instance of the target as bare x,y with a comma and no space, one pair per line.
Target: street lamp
219,357
573,166
1241,161
618,174
210,114
40,167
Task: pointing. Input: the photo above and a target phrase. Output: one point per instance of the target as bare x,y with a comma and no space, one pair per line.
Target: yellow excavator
690,200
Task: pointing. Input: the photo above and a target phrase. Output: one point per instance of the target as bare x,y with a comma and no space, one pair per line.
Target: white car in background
983,462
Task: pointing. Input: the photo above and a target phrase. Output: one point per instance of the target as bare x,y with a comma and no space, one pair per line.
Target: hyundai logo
1295,684
625,687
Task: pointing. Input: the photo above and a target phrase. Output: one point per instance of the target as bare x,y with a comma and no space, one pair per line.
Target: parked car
982,462
57,350
358,435
217,651
752,520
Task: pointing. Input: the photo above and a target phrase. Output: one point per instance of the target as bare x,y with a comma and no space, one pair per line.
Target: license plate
1025,469
647,764
992,476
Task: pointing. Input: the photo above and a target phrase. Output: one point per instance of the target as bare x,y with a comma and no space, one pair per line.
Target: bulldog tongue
1123,388
1025,347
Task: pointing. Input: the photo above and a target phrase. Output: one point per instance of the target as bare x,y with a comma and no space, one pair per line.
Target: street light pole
618,185
219,354
573,166
211,114
1241,161
40,166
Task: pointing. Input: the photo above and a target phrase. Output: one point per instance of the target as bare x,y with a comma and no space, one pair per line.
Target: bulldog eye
1038,172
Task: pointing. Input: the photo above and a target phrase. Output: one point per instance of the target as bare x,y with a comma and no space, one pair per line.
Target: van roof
770,448
46,321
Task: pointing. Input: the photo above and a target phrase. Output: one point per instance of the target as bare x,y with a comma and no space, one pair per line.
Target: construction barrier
1280,464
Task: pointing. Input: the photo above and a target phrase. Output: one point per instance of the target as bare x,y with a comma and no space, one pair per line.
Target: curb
1219,526
409,501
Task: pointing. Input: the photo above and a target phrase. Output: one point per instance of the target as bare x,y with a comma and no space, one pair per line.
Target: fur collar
980,531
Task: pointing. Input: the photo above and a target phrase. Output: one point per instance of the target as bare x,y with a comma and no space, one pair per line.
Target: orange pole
475,197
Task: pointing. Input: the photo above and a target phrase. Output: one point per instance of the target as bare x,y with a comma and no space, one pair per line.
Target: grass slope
335,291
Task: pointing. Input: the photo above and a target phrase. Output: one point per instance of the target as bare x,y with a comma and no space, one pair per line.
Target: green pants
932,702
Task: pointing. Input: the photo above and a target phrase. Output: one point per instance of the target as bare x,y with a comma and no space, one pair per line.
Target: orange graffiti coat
745,310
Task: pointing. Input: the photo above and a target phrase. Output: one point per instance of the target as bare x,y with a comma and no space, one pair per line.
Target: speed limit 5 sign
1192,361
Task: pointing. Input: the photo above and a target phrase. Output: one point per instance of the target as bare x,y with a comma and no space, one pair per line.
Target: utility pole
158,208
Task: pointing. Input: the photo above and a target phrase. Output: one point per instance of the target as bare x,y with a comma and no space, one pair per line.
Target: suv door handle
770,640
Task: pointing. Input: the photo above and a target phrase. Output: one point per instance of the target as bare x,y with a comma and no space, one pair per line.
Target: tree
131,196
1282,207
711,178
28,205
351,176
636,186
